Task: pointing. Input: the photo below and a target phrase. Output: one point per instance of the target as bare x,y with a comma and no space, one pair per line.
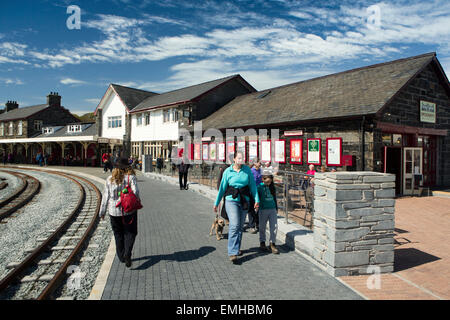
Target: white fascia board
50,139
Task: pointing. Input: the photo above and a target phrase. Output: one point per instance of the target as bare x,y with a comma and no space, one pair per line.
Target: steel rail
31,187
31,258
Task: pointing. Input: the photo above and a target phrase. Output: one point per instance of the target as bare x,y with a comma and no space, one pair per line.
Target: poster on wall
241,147
252,150
197,151
212,151
280,151
265,151
334,152
205,151
296,153
221,151
313,151
230,152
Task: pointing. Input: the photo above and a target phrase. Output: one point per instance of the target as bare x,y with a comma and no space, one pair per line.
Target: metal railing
295,195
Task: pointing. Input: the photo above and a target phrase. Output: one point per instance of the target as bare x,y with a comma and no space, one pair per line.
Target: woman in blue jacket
237,186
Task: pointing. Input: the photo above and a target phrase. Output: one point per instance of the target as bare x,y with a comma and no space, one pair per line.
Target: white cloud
8,81
253,39
70,81
94,101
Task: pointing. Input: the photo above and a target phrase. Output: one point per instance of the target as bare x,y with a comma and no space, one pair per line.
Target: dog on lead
217,225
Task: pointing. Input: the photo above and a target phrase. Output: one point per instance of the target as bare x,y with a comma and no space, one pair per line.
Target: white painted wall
113,107
156,131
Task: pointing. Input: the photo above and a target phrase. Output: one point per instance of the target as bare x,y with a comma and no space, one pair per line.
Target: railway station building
147,123
391,117
21,129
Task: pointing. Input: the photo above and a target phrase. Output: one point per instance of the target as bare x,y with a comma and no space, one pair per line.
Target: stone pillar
354,222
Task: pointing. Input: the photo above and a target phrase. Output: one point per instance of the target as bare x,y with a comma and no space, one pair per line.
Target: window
47,130
19,129
174,115
139,120
115,122
166,116
147,119
2,129
74,128
11,128
38,125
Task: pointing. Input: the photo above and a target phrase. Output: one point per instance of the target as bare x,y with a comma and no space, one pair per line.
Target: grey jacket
110,196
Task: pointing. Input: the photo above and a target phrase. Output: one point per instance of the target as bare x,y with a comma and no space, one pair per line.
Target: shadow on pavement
256,252
410,258
179,256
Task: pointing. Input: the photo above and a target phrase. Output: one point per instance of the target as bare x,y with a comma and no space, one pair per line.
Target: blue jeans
236,217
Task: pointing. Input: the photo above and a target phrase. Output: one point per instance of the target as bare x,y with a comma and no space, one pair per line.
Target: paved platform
175,258
422,253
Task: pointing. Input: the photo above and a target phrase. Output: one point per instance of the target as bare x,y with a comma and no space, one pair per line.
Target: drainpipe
362,144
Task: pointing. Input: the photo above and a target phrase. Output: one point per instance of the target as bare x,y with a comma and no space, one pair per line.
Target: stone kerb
354,222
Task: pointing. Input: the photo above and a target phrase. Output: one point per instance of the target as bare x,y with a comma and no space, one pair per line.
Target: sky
164,45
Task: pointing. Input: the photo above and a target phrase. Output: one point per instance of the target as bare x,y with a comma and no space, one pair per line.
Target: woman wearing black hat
124,225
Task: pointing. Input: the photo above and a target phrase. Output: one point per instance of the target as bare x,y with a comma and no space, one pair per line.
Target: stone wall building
19,125
392,117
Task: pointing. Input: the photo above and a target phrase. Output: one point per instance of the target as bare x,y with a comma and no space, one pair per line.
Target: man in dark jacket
183,169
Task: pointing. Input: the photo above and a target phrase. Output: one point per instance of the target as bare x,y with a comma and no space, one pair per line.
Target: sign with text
334,152
280,151
252,150
230,152
427,111
221,152
296,151
241,147
265,151
313,151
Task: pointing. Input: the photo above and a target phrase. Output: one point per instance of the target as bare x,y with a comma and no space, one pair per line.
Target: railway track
45,267
28,188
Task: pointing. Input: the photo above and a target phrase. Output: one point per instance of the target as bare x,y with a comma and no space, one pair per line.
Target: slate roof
131,97
182,95
22,113
88,129
356,92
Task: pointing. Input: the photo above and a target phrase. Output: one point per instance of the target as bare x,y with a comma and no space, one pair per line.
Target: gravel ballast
36,219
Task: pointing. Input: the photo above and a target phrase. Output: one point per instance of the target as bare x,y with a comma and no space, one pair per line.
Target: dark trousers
124,234
253,218
183,175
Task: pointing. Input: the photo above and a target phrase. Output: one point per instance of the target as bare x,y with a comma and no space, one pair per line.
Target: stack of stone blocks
354,222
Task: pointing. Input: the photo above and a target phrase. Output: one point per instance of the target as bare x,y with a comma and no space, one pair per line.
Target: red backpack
128,200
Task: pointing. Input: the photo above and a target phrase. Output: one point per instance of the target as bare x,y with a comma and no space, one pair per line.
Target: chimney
11,105
54,99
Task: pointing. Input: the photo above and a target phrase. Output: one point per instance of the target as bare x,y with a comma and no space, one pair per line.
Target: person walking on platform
124,225
237,186
267,211
183,169
106,162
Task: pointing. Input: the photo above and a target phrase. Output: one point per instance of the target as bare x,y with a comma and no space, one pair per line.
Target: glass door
412,170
